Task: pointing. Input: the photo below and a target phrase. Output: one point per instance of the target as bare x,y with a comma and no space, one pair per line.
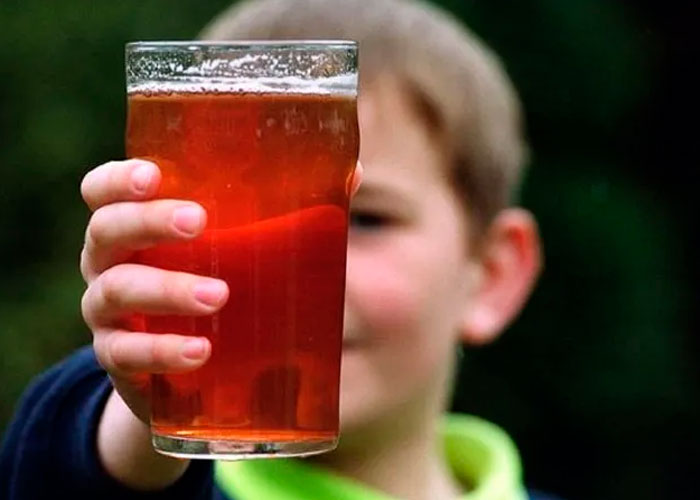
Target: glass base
238,450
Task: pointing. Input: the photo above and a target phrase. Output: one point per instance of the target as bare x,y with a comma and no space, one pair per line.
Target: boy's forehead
383,91
396,150
381,179
397,178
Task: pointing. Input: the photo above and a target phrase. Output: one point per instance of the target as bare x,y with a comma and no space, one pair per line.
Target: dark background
597,381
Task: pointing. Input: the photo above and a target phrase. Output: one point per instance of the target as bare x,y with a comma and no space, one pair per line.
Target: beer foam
342,85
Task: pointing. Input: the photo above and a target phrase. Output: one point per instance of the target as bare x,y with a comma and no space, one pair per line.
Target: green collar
479,453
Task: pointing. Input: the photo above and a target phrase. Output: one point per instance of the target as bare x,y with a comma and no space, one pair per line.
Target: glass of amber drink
264,136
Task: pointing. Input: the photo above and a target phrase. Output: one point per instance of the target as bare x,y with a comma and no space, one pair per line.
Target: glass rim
302,44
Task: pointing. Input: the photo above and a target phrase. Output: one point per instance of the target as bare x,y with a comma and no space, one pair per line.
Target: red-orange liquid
272,171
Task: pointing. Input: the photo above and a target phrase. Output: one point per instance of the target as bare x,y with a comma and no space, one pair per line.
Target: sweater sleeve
49,449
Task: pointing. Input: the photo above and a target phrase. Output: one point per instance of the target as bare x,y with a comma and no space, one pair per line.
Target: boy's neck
410,470
400,456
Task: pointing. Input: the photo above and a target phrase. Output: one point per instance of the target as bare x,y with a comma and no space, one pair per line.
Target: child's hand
126,218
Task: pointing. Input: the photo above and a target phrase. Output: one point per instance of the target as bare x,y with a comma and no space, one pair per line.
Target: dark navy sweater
49,450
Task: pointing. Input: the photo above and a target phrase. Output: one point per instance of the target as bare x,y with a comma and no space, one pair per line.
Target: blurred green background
597,381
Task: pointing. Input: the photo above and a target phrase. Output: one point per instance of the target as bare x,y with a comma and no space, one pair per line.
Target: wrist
126,453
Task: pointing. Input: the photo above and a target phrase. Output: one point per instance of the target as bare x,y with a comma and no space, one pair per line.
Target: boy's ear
509,264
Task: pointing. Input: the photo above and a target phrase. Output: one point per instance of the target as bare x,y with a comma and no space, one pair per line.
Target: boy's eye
367,220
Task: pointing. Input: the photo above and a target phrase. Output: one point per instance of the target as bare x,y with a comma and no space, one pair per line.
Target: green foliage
63,107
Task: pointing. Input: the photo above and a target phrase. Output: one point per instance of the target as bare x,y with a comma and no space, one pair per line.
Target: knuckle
86,307
160,353
154,218
96,233
143,216
170,287
113,177
100,345
110,286
117,353
85,266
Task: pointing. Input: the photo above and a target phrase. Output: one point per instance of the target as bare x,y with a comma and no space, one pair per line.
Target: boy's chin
362,422
355,419
359,404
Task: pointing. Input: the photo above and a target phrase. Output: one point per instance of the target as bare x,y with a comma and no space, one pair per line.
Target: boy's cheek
394,308
382,295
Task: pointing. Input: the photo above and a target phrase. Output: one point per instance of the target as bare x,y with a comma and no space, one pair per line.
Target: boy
435,257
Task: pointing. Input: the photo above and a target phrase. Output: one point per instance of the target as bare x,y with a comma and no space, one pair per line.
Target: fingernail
141,178
194,349
188,219
210,293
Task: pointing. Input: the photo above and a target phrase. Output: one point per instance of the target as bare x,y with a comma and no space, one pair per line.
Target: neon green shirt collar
479,453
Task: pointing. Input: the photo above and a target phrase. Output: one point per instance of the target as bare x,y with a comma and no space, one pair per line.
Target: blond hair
459,83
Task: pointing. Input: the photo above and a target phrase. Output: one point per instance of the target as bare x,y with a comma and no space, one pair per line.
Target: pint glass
264,136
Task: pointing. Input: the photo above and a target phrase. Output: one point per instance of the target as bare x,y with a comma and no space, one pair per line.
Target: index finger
127,180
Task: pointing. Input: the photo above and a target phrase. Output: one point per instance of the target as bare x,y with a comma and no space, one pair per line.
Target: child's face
409,268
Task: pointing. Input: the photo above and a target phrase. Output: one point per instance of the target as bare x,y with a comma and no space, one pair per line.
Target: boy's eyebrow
370,191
